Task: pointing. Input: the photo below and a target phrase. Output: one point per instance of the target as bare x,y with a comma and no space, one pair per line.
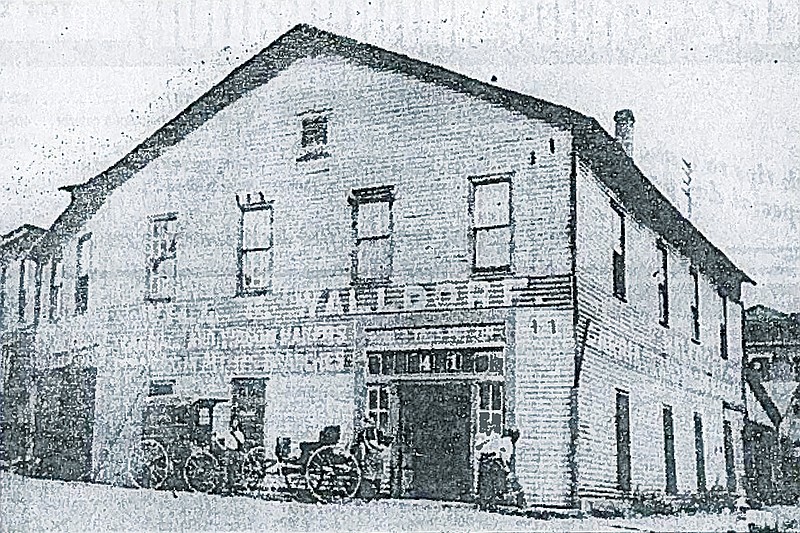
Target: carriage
178,451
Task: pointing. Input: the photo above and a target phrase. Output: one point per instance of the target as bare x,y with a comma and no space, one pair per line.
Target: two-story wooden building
349,232
18,307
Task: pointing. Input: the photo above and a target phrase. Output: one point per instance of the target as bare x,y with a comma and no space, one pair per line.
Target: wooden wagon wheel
202,472
149,465
254,467
332,474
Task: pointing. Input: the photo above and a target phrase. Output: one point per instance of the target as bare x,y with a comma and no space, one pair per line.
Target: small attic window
533,157
313,135
315,131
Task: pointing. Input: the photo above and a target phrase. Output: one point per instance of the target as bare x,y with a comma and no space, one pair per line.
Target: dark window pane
619,274
496,423
401,362
497,397
483,422
384,398
383,421
387,365
468,361
82,294
440,361
373,399
496,363
315,131
623,442
700,454
485,395
481,362
374,363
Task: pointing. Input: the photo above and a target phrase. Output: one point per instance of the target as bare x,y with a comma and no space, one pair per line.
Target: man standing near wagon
231,439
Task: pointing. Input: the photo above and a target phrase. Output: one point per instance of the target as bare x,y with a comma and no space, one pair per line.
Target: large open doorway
65,423
435,431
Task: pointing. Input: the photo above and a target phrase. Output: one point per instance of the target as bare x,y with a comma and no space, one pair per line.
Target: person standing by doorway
231,440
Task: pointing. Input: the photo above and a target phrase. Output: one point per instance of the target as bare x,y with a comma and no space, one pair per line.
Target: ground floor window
490,408
669,451
378,406
487,361
623,427
700,454
730,466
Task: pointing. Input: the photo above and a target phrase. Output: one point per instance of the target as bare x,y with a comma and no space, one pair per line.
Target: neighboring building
347,232
772,348
18,313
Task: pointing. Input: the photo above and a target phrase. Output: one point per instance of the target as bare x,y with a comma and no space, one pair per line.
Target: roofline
19,232
307,41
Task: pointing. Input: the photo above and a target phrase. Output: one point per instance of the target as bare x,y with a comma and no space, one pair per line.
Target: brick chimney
624,129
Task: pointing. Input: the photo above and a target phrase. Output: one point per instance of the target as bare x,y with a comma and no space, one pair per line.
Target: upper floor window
491,224
618,259
27,290
162,260
663,285
313,135
3,276
373,224
695,304
83,269
723,329
255,255
56,285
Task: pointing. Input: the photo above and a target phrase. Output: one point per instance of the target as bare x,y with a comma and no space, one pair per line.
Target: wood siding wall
627,349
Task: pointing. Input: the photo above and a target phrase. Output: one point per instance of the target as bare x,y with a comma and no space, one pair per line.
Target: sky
715,83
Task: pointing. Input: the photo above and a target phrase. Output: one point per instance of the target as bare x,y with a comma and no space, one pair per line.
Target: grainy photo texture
397,266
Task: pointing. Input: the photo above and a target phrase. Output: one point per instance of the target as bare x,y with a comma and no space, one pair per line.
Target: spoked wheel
332,475
149,465
202,472
254,467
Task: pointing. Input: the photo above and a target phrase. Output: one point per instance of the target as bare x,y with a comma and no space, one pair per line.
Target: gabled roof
593,144
20,240
766,326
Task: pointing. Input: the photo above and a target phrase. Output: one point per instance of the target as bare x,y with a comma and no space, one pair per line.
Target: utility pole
687,187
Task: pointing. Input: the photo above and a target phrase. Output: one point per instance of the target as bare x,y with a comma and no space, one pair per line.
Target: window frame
663,284
310,146
474,230
723,329
29,290
622,425
55,290
169,295
3,293
670,467
619,258
695,306
251,203
357,198
700,454
728,449
82,274
380,414
496,391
